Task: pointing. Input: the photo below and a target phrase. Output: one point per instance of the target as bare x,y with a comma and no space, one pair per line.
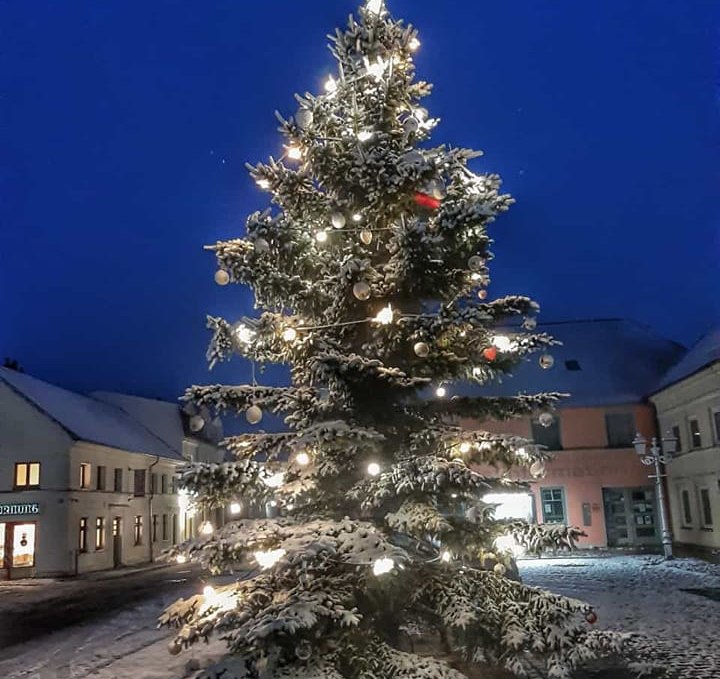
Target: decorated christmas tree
370,274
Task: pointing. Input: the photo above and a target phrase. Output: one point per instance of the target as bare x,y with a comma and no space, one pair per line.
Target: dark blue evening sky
125,125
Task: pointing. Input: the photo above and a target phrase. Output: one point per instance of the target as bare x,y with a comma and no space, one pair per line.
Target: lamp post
659,455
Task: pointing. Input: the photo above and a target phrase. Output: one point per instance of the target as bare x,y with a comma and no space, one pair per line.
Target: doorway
17,547
117,541
630,516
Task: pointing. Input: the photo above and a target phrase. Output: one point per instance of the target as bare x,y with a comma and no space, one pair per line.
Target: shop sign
19,508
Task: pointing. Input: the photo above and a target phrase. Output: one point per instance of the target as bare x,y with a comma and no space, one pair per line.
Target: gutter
150,514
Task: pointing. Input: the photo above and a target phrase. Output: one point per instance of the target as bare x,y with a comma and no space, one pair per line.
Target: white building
89,483
688,405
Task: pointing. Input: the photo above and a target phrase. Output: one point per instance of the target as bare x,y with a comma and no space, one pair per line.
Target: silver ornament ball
421,349
475,263
196,423
546,419
253,414
537,469
366,236
222,277
261,246
546,361
530,323
303,650
337,219
361,290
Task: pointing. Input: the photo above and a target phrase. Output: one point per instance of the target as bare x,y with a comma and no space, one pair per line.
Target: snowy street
636,594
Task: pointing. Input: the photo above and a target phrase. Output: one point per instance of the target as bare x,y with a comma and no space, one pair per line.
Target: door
117,541
630,516
4,566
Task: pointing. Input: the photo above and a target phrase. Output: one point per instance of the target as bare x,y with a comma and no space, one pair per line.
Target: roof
617,361
88,419
705,352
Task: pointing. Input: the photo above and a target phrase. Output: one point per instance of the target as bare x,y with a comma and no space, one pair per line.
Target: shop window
99,533
686,507
695,436
85,473
676,433
139,487
705,508
83,535
553,505
27,475
165,527
101,473
138,530
118,481
620,429
23,545
547,436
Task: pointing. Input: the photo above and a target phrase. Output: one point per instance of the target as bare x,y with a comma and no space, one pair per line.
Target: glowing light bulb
446,556
330,85
377,69
289,334
453,495
207,528
269,559
476,371
208,591
420,113
357,217
441,392
273,503
274,481
180,558
503,343
321,236
375,6
235,508
263,183
302,459
382,566
414,44
244,334
384,316
475,276
373,469
294,152
365,135
464,447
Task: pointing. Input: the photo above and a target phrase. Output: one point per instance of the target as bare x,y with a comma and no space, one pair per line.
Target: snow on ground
677,630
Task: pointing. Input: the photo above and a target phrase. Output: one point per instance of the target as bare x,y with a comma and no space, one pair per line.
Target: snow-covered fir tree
371,274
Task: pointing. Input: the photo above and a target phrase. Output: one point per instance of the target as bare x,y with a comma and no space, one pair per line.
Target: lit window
83,534
85,473
100,533
138,530
695,436
27,474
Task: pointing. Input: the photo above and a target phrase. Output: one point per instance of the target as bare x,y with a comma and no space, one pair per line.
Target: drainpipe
150,514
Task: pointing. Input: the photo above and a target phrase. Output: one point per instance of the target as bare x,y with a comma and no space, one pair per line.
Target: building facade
595,480
84,486
688,407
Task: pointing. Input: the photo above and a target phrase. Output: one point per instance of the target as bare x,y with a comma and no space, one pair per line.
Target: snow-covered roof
701,355
601,362
88,419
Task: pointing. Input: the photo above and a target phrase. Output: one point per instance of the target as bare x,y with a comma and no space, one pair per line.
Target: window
716,421
164,484
153,484
99,533
101,477
118,481
85,472
117,526
572,364
695,437
139,490
705,508
27,474
547,436
676,433
174,529
686,509
138,530
154,528
83,535
620,429
174,485
165,527
553,505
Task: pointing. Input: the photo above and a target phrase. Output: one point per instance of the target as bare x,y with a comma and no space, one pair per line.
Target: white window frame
701,512
85,476
683,522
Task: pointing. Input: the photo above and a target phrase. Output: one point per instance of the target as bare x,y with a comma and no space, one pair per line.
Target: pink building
595,480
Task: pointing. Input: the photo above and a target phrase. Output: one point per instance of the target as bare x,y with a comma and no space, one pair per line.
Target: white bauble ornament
537,469
366,236
222,277
546,361
196,423
304,118
482,294
530,323
411,124
261,246
436,189
421,349
337,219
303,650
475,263
361,290
253,414
546,419
499,569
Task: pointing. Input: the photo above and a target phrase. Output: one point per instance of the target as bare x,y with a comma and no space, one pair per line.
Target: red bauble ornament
423,200
490,353
591,617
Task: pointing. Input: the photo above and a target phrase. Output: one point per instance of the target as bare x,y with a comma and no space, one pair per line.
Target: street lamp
659,455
